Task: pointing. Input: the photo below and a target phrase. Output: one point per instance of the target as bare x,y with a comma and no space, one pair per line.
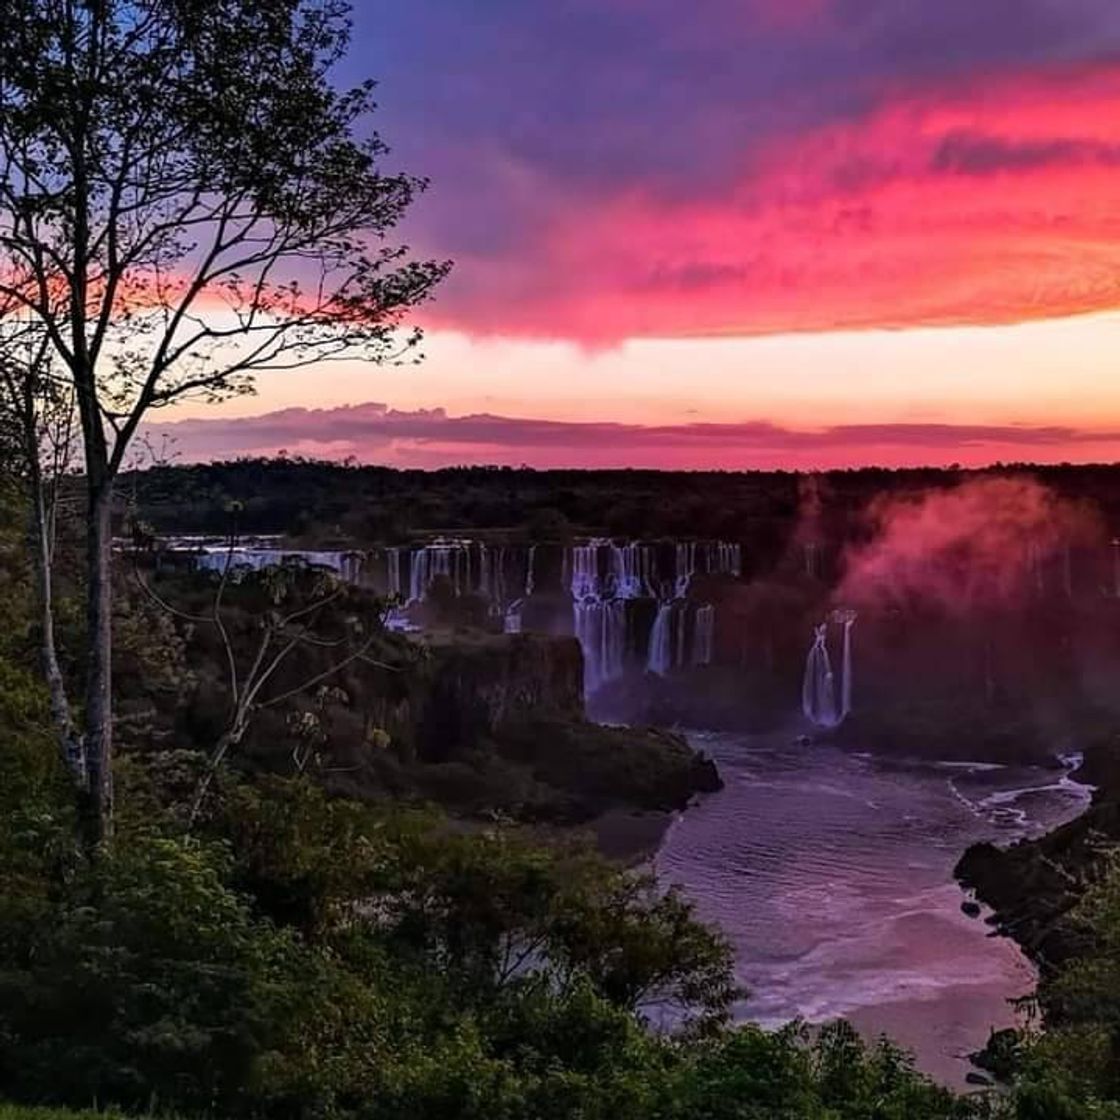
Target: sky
735,234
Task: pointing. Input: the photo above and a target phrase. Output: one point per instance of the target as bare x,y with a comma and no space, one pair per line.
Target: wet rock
970,908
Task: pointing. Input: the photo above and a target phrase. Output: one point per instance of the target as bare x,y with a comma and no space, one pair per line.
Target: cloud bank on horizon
605,169
426,438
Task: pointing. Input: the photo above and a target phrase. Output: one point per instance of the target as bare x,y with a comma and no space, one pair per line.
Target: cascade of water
583,570
703,637
214,558
819,701
732,565
418,575
485,580
530,563
818,689
684,568
847,620
393,572
350,568
660,659
511,620
601,631
494,589
431,561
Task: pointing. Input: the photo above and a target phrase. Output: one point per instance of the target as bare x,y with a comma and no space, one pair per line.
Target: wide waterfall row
603,577
604,569
677,641
630,601
217,557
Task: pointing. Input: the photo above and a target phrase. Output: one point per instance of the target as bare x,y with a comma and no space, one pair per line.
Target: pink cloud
375,433
993,204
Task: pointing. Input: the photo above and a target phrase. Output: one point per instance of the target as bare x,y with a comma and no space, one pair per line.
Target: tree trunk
70,742
226,740
99,645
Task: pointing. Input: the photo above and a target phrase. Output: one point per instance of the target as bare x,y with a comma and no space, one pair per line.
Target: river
832,875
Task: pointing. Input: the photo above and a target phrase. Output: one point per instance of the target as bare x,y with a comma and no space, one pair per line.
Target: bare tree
38,414
186,201
297,601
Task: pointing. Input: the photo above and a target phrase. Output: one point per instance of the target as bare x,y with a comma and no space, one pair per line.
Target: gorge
891,685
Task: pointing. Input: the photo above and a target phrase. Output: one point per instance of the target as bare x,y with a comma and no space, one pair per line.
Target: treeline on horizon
344,502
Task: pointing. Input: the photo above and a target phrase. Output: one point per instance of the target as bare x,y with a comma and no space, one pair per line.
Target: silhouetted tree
186,201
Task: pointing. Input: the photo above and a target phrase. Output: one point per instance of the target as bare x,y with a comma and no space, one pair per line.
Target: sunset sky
737,233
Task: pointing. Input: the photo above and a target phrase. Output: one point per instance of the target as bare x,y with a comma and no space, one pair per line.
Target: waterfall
601,630
529,571
629,567
684,568
418,575
819,686
350,568
818,690
393,573
703,636
660,659
214,558
511,621
848,619
582,570
492,576
449,559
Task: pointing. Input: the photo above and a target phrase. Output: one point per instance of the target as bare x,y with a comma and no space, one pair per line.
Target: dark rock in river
1002,1054
971,909
1033,885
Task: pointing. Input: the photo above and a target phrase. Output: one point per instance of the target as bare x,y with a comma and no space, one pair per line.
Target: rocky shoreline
1032,886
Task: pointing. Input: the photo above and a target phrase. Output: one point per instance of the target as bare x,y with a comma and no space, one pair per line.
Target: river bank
1031,886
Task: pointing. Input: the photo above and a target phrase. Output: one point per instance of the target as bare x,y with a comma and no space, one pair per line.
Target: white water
847,621
826,702
660,659
818,688
832,876
601,630
703,638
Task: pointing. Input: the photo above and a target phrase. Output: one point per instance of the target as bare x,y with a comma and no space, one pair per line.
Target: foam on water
831,874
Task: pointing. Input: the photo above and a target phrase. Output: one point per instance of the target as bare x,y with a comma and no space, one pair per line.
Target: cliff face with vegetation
477,687
480,723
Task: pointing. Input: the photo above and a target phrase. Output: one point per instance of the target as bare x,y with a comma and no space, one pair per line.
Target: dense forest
262,855
333,503
292,949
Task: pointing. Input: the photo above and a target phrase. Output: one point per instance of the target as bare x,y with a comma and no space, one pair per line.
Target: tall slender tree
187,200
37,420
